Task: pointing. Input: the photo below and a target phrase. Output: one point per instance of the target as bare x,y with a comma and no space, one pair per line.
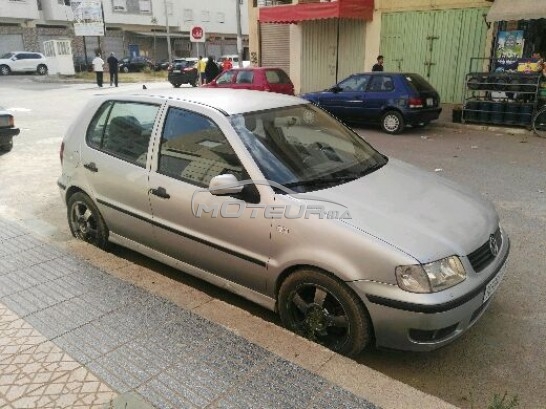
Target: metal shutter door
11,42
275,44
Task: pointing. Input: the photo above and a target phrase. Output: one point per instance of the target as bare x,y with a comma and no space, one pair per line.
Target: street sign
197,34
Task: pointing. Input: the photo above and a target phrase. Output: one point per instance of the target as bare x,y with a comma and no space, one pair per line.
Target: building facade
328,40
131,26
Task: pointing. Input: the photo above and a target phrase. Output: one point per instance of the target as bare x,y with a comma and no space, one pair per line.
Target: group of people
207,68
113,69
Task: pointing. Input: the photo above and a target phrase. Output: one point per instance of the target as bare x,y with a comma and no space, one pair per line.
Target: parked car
274,199
23,61
183,71
134,64
258,78
7,130
393,100
161,65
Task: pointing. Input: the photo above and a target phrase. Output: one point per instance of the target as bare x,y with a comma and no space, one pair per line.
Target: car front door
244,80
225,79
345,100
220,235
115,158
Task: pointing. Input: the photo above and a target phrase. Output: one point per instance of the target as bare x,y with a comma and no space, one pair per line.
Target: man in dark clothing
211,70
113,69
379,65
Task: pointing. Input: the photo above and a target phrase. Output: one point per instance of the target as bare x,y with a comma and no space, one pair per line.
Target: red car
256,78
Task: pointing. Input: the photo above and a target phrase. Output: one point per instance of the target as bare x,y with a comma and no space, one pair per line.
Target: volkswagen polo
277,201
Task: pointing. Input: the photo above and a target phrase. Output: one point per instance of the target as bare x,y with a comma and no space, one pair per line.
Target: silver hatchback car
272,198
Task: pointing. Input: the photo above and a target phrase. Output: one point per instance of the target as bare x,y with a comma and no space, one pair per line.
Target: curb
475,127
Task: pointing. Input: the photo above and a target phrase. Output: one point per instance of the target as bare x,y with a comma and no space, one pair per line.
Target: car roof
228,101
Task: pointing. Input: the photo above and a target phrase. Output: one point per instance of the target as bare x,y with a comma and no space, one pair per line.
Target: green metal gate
436,44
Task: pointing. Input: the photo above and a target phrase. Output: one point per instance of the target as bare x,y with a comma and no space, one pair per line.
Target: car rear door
421,87
115,166
233,241
381,92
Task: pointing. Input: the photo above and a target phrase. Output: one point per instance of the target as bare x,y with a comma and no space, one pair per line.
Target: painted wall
397,5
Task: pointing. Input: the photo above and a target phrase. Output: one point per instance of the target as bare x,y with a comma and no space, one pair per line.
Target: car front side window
225,78
194,149
354,83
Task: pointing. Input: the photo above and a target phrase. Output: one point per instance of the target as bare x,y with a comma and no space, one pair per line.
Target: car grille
482,257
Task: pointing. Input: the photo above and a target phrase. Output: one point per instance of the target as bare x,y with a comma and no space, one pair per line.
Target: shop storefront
509,87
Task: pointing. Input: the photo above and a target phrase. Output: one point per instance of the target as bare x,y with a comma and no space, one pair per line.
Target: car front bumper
424,327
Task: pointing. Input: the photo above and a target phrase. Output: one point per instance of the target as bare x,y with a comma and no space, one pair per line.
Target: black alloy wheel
85,221
324,310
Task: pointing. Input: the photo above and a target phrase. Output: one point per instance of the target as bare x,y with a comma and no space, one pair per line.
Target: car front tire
176,85
4,70
392,122
323,309
85,221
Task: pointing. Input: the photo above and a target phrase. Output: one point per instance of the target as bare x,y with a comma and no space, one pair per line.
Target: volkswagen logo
493,245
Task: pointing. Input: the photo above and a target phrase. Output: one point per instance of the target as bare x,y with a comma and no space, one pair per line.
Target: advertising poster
509,50
87,17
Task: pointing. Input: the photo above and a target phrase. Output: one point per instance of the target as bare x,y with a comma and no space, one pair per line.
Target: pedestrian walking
226,64
201,65
113,69
379,65
211,70
98,67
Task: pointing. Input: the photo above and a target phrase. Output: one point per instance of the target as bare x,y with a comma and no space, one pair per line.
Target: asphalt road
504,352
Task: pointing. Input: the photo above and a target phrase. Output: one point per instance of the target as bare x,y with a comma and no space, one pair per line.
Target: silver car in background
273,199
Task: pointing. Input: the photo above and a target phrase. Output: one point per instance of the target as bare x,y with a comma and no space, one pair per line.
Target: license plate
492,286
430,102
176,71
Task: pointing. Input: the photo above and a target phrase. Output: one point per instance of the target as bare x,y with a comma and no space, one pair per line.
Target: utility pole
168,32
239,32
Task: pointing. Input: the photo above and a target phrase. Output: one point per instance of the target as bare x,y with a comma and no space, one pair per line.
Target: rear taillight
61,152
415,103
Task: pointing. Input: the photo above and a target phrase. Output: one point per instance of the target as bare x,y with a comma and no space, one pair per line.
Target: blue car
393,100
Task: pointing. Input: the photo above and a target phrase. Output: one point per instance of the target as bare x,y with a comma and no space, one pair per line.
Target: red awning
294,13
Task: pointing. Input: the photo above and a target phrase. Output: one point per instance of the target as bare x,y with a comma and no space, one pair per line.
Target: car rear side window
194,149
418,83
277,77
381,83
123,130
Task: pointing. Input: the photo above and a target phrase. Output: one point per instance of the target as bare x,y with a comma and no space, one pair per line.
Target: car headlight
431,277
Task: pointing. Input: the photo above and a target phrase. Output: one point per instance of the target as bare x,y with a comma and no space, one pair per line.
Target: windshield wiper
321,181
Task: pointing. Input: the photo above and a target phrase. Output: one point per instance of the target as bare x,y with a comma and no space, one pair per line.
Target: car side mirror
335,89
225,185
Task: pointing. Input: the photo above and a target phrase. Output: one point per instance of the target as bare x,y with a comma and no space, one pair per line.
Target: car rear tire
193,83
176,85
4,70
323,309
85,221
392,122
42,69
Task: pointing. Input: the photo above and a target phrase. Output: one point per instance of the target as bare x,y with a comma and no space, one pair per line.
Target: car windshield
7,56
304,148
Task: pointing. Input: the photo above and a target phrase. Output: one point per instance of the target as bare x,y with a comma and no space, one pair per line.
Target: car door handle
161,192
91,166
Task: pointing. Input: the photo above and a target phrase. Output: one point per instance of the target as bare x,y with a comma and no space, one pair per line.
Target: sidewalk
446,120
74,336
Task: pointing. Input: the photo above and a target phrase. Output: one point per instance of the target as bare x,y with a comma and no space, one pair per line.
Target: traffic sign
197,34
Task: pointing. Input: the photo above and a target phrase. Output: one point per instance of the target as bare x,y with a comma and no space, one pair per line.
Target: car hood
420,213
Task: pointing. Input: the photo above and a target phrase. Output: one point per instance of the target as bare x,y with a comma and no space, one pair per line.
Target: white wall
26,10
